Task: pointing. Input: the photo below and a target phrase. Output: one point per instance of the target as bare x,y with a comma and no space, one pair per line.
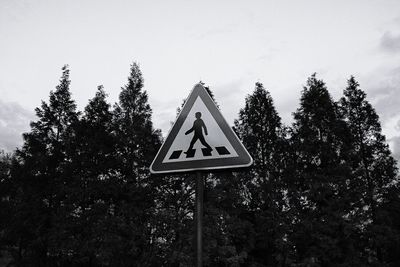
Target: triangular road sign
200,139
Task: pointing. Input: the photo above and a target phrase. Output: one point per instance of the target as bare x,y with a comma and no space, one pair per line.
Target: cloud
395,144
390,42
383,88
395,147
382,85
14,120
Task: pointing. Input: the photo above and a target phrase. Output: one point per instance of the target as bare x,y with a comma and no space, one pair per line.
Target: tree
374,170
222,206
91,187
318,189
138,141
389,224
136,145
259,126
175,214
228,231
6,205
173,220
40,174
179,109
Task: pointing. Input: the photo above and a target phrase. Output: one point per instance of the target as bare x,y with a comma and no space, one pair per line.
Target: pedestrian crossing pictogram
200,139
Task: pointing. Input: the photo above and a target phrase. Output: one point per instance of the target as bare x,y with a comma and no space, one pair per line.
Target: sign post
200,140
199,218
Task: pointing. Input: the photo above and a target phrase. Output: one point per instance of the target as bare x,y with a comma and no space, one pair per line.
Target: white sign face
215,138
200,139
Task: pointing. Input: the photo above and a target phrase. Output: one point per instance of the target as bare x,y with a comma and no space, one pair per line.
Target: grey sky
230,45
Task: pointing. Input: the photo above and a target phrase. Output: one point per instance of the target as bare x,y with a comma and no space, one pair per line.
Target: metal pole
199,219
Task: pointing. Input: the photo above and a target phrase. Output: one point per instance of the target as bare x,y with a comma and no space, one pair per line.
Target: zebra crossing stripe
221,150
175,154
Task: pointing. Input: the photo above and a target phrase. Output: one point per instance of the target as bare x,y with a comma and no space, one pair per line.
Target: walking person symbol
198,126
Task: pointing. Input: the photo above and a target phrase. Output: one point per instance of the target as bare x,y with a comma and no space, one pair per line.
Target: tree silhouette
41,174
323,192
136,145
260,129
318,188
374,169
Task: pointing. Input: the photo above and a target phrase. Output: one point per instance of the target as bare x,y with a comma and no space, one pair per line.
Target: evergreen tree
222,245
259,126
138,140
175,214
40,174
374,170
228,231
136,145
318,188
179,109
389,224
323,193
92,186
174,225
6,205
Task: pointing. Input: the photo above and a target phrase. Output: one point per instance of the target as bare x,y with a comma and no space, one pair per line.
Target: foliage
259,127
322,192
374,173
318,191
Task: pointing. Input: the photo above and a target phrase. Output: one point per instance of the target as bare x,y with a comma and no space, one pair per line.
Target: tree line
321,192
